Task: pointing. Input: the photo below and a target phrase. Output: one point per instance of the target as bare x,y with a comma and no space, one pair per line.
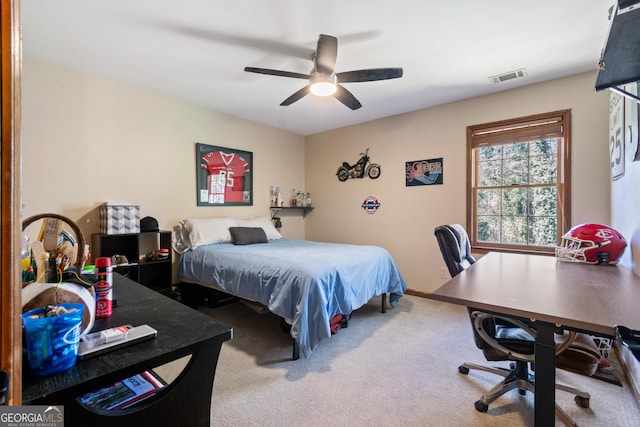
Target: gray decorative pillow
247,235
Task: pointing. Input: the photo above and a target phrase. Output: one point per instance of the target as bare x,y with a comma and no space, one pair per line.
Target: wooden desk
182,331
551,296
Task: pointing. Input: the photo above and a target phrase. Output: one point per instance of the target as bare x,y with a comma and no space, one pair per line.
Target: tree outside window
519,183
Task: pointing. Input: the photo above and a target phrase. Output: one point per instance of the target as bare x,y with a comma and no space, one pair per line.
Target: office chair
500,338
629,338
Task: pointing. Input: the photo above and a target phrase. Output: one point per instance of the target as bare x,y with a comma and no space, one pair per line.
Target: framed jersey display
223,176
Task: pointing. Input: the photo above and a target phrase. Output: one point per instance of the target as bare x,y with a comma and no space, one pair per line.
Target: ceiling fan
323,81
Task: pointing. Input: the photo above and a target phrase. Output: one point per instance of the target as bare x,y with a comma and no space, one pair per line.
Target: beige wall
87,140
625,205
625,197
405,221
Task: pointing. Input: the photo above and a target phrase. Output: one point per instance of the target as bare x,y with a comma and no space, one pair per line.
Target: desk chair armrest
478,322
629,338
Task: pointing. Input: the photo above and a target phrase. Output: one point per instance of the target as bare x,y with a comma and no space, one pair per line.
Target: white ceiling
196,50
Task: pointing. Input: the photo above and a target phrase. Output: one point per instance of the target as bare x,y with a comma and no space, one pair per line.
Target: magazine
124,393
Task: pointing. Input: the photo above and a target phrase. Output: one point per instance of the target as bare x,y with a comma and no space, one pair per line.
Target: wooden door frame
11,199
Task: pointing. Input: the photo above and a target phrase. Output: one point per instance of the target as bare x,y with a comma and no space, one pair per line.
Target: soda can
104,292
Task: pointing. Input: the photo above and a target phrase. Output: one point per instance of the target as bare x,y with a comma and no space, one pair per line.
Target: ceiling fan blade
276,72
326,54
296,96
369,75
346,98
267,45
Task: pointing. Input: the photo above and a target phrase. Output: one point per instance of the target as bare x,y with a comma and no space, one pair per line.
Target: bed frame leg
296,351
384,303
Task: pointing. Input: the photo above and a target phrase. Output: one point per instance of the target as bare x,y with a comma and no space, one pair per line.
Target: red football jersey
225,176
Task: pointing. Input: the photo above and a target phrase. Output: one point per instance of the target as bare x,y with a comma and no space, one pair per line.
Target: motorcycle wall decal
363,167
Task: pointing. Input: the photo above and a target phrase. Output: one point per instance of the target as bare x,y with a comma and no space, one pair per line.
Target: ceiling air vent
508,76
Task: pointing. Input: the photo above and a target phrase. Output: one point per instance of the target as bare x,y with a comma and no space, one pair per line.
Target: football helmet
592,244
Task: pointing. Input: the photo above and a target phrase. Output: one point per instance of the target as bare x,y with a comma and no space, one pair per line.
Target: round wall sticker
370,205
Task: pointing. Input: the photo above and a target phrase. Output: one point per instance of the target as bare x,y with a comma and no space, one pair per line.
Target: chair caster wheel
463,369
481,407
583,402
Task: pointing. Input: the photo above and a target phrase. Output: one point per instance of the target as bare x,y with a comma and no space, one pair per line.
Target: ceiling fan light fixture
323,85
322,80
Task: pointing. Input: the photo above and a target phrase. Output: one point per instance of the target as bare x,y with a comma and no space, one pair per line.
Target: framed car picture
224,176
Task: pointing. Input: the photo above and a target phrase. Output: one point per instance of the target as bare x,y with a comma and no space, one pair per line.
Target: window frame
527,128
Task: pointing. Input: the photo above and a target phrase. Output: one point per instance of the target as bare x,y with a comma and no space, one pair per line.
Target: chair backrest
453,241
500,338
455,247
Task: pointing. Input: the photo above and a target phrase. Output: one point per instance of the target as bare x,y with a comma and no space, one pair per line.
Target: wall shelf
305,210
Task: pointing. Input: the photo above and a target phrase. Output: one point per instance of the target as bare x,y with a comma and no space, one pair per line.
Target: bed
304,282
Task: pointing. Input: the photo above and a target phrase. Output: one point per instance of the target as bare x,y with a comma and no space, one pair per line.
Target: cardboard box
119,219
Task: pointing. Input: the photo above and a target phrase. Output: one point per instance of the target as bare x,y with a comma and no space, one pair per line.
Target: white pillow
207,231
180,239
260,221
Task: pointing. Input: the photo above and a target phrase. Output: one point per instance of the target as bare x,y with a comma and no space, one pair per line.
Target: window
519,183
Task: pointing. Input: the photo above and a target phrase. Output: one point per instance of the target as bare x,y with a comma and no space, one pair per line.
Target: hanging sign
424,172
370,205
616,135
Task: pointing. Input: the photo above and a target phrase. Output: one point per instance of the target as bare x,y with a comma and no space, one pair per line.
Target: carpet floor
399,368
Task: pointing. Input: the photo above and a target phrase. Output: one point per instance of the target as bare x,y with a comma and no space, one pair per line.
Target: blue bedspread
305,282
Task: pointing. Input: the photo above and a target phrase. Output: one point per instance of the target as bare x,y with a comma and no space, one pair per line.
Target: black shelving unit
156,274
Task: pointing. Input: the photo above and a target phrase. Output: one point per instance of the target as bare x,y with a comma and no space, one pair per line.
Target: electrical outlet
444,274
